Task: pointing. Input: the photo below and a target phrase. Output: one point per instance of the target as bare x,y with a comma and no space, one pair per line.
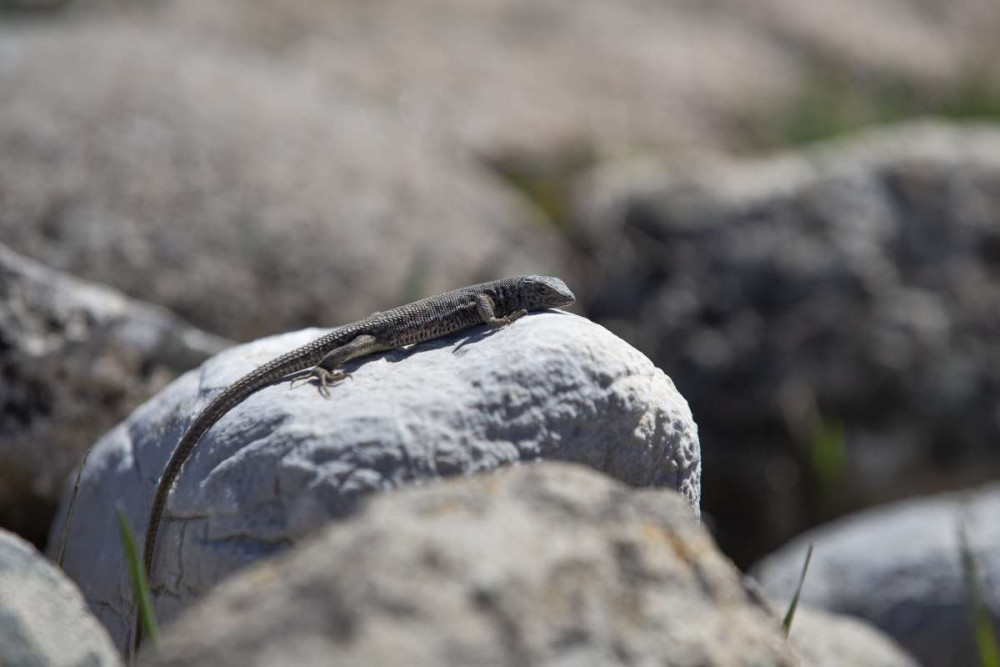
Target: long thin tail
198,427
241,389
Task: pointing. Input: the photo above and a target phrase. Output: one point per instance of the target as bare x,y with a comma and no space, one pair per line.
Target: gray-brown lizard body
496,303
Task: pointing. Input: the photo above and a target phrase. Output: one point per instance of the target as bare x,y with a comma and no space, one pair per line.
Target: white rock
552,386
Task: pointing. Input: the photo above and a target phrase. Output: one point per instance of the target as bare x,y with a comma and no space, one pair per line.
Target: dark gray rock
850,285
551,386
75,358
899,568
545,564
43,619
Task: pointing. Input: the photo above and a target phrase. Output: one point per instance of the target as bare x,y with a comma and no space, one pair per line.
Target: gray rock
899,568
551,386
75,358
248,197
31,5
260,166
520,83
513,78
850,284
43,619
832,640
545,564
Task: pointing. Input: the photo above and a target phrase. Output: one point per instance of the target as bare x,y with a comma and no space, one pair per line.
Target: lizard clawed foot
501,322
516,315
325,376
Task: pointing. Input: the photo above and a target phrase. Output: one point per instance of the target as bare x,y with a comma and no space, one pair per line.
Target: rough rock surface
545,564
899,568
245,196
551,386
43,618
833,640
854,284
75,358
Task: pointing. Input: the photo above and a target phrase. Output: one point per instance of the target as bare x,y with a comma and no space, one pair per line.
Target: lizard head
539,292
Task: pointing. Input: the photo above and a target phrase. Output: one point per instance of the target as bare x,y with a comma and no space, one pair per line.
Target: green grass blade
790,614
986,639
828,454
140,587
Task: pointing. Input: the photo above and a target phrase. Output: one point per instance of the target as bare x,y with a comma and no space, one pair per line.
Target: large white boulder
286,461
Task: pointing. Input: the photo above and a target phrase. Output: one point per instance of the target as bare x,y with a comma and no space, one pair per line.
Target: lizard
496,303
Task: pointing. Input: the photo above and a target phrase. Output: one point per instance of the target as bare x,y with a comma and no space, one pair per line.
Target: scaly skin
496,303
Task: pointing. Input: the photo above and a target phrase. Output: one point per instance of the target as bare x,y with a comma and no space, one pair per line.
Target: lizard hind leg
325,377
328,370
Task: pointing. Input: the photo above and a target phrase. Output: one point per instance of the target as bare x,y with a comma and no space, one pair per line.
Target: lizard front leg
328,371
484,306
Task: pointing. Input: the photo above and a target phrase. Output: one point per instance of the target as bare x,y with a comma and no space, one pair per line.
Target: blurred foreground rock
899,568
832,315
75,358
547,564
43,618
284,462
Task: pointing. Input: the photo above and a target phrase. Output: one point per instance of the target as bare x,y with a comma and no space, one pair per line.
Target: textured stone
551,386
544,564
899,568
75,358
43,618
853,284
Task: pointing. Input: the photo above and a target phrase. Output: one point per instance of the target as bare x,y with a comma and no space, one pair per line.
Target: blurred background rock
830,312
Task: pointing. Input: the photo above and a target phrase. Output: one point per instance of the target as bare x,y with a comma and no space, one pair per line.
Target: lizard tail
241,389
